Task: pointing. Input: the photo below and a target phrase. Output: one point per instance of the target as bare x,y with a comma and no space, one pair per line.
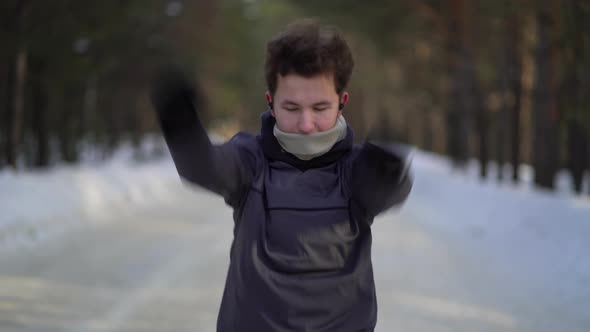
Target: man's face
306,105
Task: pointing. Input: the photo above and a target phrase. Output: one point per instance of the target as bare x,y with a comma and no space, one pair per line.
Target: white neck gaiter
306,147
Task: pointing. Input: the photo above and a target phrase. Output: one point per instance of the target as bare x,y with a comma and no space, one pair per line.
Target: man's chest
307,218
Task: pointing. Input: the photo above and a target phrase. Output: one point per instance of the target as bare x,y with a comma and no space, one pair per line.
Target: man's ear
343,101
344,98
269,102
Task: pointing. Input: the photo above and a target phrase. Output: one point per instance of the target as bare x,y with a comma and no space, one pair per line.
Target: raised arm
380,177
224,169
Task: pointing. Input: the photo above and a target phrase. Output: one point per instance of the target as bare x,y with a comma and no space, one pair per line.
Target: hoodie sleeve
223,169
380,177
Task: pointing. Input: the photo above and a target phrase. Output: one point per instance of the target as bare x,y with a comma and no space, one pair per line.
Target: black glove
175,99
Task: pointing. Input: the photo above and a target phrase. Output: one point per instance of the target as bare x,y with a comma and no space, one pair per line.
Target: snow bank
34,205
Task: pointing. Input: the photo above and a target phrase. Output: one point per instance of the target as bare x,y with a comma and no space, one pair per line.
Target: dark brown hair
308,49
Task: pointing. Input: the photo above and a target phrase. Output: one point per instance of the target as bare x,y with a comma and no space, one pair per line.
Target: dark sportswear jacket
301,254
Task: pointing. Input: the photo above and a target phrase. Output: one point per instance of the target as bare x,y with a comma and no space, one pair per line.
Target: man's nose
306,123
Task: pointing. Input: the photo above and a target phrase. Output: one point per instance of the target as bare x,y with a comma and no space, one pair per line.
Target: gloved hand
174,98
389,158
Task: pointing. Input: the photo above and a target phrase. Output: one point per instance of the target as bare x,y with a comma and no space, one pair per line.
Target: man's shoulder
388,154
245,140
386,150
355,151
247,143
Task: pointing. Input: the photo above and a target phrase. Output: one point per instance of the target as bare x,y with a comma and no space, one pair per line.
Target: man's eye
319,109
291,109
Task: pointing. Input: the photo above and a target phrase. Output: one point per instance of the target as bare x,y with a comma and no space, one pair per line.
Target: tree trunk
577,146
514,73
577,136
457,128
5,107
465,95
16,127
544,111
476,103
14,133
501,122
39,121
67,138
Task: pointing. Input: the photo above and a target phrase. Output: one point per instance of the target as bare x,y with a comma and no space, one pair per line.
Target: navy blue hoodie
301,255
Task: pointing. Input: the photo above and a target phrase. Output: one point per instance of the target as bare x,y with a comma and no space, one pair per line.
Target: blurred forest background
500,81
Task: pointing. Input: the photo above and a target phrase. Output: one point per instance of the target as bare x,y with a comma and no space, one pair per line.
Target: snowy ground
38,205
104,248
494,257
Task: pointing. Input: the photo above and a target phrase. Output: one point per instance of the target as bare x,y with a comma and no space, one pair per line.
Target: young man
304,197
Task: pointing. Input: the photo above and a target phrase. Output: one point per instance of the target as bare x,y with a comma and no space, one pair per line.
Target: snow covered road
144,269
458,257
